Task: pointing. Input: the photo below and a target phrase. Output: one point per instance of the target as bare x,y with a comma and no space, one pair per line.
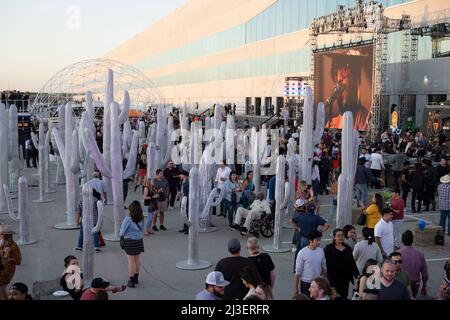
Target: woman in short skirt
132,230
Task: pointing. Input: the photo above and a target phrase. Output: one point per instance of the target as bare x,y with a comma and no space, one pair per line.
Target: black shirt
231,268
396,291
263,262
170,175
341,265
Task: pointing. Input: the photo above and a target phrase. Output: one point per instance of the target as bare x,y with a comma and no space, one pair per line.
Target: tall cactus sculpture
290,193
23,215
310,137
43,163
90,227
346,179
4,146
13,158
11,209
281,202
193,262
66,149
208,197
255,159
114,171
109,98
60,176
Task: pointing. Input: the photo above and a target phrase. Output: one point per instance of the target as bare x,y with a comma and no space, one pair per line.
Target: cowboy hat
445,179
6,229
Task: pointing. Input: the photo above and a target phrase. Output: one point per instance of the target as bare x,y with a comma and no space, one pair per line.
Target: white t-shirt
98,185
368,159
377,161
385,231
310,263
222,173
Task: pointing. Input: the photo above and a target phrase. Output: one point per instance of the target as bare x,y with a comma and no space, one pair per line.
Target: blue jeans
362,194
230,210
315,186
444,215
148,223
96,238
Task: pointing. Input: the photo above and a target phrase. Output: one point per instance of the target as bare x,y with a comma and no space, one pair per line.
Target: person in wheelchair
258,207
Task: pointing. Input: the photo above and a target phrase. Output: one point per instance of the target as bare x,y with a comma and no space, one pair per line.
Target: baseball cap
299,203
234,245
99,283
215,278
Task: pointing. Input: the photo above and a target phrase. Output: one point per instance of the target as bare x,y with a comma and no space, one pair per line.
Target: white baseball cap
215,278
299,203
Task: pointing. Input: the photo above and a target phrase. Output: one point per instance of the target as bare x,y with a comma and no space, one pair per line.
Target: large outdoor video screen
343,81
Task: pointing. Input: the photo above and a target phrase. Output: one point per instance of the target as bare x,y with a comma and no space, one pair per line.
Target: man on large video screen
344,83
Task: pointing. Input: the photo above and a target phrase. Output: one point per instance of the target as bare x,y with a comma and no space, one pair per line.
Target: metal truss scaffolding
405,59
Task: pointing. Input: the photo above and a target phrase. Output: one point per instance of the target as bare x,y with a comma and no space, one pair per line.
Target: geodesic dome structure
72,83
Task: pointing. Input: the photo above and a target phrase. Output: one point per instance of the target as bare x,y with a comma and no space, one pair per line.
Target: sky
40,37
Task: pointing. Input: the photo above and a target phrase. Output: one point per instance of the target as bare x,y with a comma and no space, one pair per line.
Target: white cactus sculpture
60,177
345,182
193,262
4,146
114,171
255,159
90,227
23,215
66,150
43,163
13,158
309,137
281,202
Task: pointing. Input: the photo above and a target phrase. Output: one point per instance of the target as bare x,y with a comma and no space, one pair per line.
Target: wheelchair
264,226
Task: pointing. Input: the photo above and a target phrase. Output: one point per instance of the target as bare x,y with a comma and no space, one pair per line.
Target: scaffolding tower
404,71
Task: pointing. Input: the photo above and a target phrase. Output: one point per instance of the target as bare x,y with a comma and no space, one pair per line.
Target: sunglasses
397,261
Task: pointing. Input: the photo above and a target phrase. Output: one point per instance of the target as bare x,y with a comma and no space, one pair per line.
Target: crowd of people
319,273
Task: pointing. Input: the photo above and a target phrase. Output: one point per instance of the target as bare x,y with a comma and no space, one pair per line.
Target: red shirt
88,295
398,204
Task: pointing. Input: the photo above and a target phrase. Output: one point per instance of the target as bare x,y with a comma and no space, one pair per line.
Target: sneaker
131,284
97,250
235,226
161,227
170,208
243,229
78,249
155,228
244,233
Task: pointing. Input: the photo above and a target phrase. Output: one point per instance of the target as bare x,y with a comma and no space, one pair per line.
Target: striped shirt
444,196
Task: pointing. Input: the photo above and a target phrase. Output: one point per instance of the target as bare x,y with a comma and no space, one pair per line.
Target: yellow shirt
373,215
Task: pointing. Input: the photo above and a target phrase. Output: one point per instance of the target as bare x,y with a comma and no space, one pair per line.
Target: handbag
362,220
101,240
233,198
439,240
153,206
122,242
